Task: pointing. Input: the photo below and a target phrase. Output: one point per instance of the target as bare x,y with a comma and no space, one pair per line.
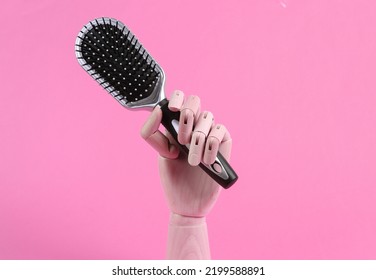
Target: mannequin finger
152,123
204,123
217,137
200,132
162,145
155,138
189,112
176,101
196,148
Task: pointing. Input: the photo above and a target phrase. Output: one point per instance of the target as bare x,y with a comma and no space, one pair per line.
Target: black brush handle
220,170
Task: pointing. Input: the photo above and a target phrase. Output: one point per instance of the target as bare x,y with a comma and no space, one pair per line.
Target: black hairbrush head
112,55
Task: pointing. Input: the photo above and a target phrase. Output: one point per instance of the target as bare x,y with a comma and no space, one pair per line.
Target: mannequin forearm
187,238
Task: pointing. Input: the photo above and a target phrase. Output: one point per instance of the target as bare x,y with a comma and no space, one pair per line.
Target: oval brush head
112,55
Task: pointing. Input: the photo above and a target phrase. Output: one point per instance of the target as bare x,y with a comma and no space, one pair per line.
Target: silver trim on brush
147,103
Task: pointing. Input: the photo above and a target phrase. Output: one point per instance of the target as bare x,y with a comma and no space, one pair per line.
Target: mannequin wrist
187,238
181,220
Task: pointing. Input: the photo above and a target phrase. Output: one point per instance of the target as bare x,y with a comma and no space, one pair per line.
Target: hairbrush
113,56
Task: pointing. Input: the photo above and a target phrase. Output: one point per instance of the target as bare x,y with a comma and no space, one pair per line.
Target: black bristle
118,60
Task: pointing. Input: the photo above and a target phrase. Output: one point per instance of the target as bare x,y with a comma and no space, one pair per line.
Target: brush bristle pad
112,55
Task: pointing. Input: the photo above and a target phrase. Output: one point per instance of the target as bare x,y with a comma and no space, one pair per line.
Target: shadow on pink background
294,81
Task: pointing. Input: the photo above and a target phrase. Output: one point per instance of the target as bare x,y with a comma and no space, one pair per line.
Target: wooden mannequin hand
189,190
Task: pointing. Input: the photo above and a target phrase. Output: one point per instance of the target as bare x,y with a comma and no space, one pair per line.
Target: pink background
294,81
